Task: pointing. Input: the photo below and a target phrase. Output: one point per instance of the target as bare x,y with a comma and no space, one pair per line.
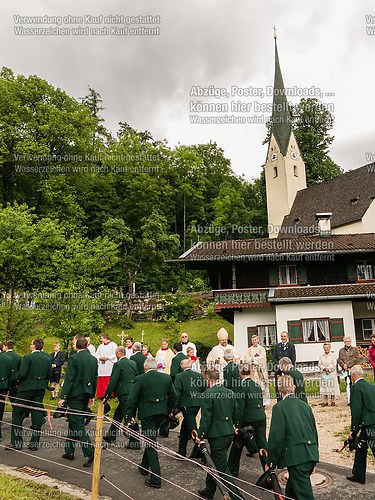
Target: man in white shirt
106,355
186,343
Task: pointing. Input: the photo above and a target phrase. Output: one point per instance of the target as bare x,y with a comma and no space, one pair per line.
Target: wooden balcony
239,298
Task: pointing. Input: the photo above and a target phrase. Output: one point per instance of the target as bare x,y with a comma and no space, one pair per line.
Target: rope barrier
173,454
50,461
151,443
160,477
116,487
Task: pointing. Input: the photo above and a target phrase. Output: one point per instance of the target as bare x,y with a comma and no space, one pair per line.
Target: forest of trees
83,210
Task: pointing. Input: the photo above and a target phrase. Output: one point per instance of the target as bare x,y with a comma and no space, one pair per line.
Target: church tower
284,169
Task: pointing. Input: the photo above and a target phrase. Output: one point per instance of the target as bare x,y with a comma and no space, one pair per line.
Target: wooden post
97,452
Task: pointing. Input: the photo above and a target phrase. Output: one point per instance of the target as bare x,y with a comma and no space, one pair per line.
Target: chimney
324,223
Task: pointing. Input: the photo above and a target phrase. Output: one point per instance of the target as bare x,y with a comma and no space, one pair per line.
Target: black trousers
35,400
189,424
366,441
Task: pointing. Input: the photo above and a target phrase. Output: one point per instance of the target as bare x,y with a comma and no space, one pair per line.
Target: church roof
347,196
281,116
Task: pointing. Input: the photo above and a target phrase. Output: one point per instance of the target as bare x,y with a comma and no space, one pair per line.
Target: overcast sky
146,81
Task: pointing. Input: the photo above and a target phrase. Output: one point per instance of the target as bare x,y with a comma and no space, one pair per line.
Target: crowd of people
230,394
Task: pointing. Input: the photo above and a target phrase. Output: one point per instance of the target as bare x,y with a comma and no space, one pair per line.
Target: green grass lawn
204,330
23,489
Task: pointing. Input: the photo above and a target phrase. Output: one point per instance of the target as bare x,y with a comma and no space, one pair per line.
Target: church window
295,170
274,172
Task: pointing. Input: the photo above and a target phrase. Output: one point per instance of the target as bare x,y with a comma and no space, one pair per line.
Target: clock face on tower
274,157
293,155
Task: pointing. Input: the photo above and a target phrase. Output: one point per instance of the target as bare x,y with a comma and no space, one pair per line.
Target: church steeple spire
281,117
284,169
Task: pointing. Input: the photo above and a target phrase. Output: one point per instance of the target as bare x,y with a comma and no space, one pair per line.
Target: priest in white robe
215,358
106,355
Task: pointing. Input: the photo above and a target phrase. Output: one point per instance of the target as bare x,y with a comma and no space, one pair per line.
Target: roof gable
347,196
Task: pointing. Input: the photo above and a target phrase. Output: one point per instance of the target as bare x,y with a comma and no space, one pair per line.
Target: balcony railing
240,297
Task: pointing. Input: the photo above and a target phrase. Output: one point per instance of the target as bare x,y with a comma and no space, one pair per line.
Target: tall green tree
141,250
27,248
313,122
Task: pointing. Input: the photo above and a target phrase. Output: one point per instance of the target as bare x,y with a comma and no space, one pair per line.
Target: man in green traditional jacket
286,368
362,408
16,363
5,381
154,396
231,372
34,376
122,379
78,391
293,441
176,360
217,425
189,386
250,411
138,357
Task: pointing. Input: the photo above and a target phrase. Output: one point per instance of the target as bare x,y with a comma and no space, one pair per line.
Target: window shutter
351,268
301,274
337,329
251,330
273,273
358,329
295,331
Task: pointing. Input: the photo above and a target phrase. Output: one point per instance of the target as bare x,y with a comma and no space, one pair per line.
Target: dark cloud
146,81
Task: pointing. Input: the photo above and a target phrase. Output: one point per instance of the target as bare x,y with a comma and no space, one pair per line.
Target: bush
211,312
126,324
179,307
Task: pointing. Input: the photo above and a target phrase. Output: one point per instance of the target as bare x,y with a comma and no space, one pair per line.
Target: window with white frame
365,270
267,335
315,330
287,275
368,328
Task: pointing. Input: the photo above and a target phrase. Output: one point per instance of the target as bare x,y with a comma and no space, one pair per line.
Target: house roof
253,249
303,292
347,196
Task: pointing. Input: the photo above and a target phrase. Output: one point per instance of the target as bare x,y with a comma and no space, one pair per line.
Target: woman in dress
329,387
257,357
164,357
